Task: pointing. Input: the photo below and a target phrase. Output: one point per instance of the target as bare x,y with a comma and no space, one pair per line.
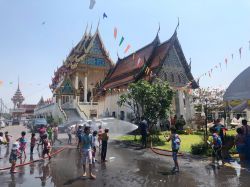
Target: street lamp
206,111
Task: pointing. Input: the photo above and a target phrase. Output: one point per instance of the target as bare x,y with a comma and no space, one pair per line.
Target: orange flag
127,48
115,32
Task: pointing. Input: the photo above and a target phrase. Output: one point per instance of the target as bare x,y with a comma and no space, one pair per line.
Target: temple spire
18,88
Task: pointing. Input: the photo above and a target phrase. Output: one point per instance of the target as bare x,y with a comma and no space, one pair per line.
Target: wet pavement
127,166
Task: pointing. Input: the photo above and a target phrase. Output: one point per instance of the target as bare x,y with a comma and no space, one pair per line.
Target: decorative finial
98,25
178,24
90,30
18,83
159,28
86,29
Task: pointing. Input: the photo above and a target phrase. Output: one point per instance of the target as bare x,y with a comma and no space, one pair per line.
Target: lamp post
206,111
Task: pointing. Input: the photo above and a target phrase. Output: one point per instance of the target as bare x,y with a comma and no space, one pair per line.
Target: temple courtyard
127,165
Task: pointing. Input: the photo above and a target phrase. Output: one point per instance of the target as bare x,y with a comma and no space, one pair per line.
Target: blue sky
209,32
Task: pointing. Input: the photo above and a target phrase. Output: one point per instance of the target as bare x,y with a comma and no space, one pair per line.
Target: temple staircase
72,112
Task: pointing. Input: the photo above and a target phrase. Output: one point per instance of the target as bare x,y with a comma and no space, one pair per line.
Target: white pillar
85,88
76,81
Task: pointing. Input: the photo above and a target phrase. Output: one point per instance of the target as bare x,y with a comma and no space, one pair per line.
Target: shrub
199,149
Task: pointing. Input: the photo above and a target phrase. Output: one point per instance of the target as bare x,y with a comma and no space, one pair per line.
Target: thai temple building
89,84
21,111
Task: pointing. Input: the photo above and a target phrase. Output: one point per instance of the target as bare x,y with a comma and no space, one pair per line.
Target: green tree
151,100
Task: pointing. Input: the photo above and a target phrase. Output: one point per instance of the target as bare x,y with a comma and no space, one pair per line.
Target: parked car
2,124
37,123
15,122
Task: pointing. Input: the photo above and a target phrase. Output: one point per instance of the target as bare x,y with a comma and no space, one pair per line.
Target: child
46,147
240,143
1,139
32,143
100,132
50,132
176,142
13,156
42,132
87,152
105,138
22,144
7,137
94,145
216,145
69,135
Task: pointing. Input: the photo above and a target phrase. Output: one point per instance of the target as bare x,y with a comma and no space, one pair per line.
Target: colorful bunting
115,33
104,15
240,51
121,41
127,48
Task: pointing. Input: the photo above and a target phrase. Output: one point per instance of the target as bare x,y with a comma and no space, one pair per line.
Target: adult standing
144,131
246,134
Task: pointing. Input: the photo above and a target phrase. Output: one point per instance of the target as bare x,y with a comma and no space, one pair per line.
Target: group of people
47,136
241,140
19,146
88,142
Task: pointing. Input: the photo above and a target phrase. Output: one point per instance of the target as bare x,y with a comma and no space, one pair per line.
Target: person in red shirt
32,142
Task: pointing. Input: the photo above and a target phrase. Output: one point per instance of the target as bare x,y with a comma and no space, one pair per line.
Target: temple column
85,88
76,87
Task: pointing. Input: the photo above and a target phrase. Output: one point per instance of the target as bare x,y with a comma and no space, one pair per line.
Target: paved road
127,166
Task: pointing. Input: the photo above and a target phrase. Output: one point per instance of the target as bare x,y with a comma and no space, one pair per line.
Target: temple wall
108,106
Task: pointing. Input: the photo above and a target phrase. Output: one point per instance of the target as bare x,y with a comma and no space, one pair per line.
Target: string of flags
21,84
226,62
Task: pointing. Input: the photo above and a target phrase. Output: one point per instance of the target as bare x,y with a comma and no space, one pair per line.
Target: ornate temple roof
127,67
77,54
18,97
152,55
